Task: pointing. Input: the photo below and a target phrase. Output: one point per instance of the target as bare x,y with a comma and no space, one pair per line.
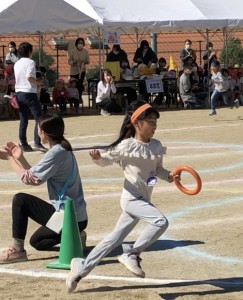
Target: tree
232,53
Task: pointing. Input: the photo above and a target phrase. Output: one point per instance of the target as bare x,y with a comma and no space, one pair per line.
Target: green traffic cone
71,245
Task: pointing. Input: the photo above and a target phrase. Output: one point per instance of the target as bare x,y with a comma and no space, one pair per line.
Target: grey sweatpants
133,211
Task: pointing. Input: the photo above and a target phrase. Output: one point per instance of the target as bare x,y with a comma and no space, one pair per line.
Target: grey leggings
133,211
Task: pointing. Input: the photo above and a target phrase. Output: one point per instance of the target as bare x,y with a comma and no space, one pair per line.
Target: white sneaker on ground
74,274
132,263
104,113
236,103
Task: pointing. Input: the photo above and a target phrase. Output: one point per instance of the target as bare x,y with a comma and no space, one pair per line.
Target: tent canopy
161,15
30,16
129,16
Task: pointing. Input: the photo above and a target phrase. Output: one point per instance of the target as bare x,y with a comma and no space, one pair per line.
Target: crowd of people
197,86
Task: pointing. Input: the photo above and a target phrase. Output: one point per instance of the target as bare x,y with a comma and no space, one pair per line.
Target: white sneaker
132,262
74,275
104,113
236,103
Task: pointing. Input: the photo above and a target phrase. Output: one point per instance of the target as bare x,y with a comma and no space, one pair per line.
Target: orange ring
178,171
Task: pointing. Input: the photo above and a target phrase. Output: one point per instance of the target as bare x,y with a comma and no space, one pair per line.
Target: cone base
58,265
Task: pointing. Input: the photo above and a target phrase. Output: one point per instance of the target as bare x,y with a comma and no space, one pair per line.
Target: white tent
161,15
130,16
29,16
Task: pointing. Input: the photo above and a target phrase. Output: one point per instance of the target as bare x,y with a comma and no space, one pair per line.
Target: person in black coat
145,55
117,54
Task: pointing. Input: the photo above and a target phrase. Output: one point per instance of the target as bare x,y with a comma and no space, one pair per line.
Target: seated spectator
104,90
59,95
186,52
144,55
161,66
12,55
161,70
117,54
44,95
189,98
126,72
73,94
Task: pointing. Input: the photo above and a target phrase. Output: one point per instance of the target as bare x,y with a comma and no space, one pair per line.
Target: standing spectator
186,52
117,54
12,55
26,89
105,87
208,57
78,58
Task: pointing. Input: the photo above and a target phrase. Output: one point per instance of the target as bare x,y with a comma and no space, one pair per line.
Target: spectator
186,52
117,54
144,55
12,55
26,89
45,98
72,94
208,57
104,90
189,98
59,95
78,58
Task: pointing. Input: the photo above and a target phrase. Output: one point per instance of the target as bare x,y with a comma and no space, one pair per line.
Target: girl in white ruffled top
141,158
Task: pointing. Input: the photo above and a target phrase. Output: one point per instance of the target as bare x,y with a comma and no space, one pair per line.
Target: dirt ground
200,255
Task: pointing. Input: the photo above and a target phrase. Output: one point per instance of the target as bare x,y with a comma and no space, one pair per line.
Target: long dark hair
127,129
53,126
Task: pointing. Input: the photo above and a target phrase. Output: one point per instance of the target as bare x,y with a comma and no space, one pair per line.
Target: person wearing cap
59,95
221,87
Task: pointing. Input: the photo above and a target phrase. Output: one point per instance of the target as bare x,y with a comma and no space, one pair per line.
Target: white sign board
154,86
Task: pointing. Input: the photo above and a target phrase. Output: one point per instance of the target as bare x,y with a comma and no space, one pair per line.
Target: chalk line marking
60,275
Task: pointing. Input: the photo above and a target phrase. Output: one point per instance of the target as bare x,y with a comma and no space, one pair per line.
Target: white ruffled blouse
142,164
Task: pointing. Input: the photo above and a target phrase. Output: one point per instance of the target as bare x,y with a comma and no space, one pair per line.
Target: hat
215,63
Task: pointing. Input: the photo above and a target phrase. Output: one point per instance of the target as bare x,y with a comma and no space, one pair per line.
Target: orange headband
138,111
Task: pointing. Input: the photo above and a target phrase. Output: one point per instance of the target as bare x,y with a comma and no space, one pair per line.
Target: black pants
27,206
110,105
28,101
